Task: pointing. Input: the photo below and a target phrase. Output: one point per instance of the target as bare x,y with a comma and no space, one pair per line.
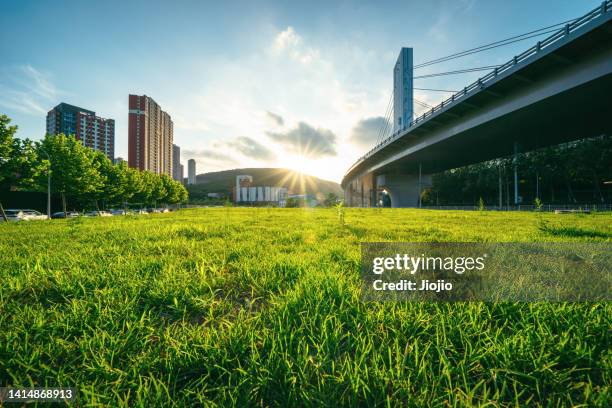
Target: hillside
297,183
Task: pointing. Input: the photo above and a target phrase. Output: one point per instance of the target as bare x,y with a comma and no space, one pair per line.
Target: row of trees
572,172
87,177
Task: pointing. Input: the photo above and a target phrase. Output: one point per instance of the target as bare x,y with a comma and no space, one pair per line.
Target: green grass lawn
261,307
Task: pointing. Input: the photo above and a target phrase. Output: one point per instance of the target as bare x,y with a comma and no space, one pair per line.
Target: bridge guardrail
526,207
482,82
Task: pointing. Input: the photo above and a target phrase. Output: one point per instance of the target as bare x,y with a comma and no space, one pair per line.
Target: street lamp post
48,185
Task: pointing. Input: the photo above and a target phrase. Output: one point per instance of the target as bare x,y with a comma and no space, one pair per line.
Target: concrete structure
176,163
94,132
242,181
556,91
403,90
182,179
245,192
191,171
150,136
118,160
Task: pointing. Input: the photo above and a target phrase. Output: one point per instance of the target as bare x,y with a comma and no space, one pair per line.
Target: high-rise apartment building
182,174
191,172
176,163
150,135
94,132
403,90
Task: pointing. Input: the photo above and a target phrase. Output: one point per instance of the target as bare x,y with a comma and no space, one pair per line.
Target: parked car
34,215
15,215
158,210
24,215
98,214
119,212
140,212
69,214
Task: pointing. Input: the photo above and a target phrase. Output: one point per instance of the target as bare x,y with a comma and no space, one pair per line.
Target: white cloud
27,90
367,131
286,39
289,43
289,77
307,141
38,82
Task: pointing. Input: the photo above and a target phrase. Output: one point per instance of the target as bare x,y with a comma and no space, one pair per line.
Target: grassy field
261,307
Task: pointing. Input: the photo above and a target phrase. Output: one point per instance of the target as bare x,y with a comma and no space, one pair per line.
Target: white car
98,214
24,215
34,215
69,214
119,212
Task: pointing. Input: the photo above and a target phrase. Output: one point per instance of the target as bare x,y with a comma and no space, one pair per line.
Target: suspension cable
460,71
495,44
380,129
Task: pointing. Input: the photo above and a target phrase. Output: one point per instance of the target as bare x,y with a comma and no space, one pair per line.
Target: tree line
577,172
79,173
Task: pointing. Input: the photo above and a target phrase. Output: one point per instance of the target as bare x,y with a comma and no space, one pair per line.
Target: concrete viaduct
557,91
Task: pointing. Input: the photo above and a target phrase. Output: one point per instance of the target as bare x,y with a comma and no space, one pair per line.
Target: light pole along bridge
556,91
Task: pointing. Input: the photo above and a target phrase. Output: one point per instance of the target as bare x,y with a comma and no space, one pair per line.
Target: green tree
168,189
144,190
19,163
7,139
330,200
180,193
30,166
131,181
74,172
183,194
158,190
107,190
7,134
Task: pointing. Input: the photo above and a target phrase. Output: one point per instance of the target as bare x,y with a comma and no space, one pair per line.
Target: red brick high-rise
150,136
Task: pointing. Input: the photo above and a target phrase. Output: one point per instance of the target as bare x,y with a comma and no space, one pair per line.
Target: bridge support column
403,189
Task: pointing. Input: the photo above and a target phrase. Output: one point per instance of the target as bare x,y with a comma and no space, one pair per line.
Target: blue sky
249,84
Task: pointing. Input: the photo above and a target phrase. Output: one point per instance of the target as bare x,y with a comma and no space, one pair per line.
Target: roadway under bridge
557,91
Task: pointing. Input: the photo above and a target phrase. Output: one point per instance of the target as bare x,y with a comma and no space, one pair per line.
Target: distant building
403,90
118,160
309,200
176,163
182,179
191,171
150,136
94,132
245,192
242,181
